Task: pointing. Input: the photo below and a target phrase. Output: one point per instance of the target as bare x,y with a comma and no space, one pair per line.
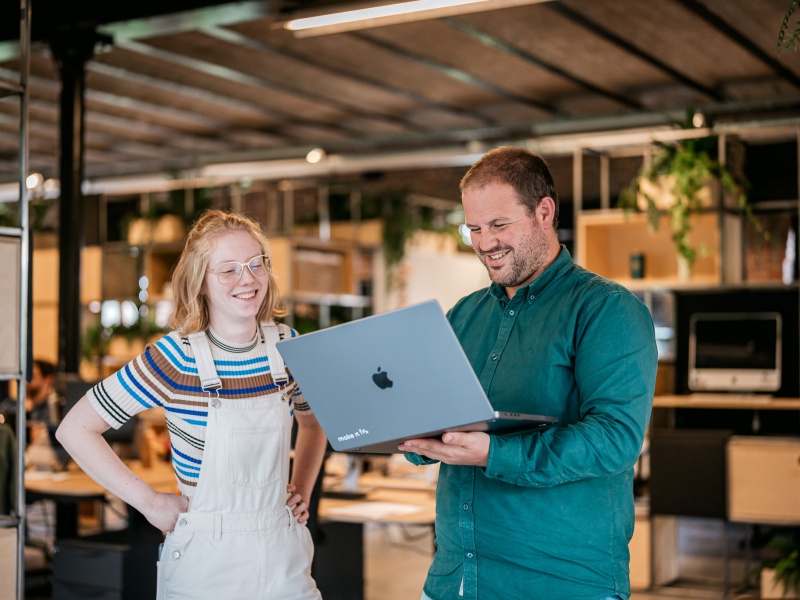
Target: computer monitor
735,352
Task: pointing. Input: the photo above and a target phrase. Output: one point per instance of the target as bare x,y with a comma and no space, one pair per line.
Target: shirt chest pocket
257,455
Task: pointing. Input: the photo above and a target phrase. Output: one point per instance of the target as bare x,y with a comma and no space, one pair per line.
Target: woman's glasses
231,272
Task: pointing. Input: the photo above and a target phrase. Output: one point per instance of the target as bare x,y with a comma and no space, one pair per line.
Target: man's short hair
522,169
47,368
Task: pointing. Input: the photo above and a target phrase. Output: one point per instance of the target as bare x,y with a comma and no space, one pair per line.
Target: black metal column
71,50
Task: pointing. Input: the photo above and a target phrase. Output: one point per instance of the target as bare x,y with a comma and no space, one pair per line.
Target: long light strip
391,14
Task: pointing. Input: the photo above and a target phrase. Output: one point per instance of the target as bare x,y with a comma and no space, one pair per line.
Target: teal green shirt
551,515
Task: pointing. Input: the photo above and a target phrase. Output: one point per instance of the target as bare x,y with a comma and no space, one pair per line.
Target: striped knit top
165,375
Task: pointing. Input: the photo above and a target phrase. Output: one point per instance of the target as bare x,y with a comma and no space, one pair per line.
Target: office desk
726,402
69,489
339,554
699,468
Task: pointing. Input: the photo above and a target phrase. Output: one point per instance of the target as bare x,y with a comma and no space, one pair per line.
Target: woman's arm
309,450
80,432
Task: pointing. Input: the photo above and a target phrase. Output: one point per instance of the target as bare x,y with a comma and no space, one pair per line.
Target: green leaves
787,572
784,42
681,173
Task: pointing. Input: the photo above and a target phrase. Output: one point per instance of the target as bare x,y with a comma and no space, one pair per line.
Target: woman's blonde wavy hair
190,308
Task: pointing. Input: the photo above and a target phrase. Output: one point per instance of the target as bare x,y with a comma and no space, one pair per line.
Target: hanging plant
785,42
677,183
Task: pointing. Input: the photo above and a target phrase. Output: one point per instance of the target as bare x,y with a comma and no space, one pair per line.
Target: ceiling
177,90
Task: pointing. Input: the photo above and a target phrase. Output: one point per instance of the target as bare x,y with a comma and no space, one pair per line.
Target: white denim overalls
239,540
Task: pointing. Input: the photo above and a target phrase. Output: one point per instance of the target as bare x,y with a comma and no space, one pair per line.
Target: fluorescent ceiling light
392,14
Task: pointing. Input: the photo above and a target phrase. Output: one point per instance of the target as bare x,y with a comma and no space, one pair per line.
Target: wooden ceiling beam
506,48
737,36
240,39
596,29
458,74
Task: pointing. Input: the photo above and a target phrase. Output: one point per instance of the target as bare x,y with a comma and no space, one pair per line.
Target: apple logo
381,379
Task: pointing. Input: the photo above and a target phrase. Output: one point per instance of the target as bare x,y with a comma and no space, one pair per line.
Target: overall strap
209,380
273,333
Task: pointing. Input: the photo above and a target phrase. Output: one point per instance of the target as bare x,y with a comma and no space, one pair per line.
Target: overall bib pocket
247,446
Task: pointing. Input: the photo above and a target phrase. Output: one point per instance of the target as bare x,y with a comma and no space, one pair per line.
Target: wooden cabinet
764,480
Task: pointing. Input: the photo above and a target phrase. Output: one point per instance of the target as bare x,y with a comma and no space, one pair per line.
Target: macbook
377,381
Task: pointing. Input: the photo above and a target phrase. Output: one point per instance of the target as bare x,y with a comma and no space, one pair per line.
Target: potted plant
680,182
779,572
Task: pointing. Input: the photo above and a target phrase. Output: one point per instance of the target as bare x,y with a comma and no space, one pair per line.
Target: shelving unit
14,280
609,238
318,276
129,262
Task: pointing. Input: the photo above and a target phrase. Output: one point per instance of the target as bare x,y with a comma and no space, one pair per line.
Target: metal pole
24,44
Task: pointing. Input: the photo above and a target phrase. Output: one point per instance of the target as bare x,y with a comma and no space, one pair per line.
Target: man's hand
456,448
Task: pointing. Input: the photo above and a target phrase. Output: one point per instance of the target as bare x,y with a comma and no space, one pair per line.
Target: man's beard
527,259
509,275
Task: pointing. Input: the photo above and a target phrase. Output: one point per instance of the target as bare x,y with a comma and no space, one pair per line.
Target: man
42,403
545,514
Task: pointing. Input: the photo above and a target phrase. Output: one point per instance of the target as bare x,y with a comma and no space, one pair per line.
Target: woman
229,403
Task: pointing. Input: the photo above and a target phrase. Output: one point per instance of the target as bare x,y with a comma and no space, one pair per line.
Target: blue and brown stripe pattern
165,377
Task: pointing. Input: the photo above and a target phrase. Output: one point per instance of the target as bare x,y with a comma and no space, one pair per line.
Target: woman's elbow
81,420
64,431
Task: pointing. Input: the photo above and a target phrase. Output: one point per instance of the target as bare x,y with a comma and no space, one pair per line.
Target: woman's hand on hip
298,506
163,509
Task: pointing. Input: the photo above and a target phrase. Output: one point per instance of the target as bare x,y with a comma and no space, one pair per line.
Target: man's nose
486,241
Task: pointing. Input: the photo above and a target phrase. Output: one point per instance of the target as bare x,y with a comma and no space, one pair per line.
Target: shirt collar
559,267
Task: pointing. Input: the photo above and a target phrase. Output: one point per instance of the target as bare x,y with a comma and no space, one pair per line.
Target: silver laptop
398,375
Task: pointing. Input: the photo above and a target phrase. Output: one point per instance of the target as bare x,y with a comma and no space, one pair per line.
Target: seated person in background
42,408
42,403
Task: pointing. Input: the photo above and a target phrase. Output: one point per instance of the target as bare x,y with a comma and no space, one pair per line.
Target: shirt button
465,506
215,403
494,356
470,555
182,522
532,297
511,312
176,555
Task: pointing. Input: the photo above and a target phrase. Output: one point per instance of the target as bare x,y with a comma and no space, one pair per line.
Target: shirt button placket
467,521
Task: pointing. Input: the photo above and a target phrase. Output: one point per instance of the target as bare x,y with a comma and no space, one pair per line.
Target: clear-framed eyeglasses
230,272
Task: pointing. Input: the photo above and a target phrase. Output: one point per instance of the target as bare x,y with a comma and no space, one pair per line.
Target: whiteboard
9,305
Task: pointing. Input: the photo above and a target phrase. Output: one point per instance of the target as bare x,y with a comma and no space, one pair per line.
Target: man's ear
546,210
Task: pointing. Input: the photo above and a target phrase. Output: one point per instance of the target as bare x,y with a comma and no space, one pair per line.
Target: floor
397,559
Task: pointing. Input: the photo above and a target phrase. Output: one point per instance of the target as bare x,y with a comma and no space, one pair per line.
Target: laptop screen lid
398,375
